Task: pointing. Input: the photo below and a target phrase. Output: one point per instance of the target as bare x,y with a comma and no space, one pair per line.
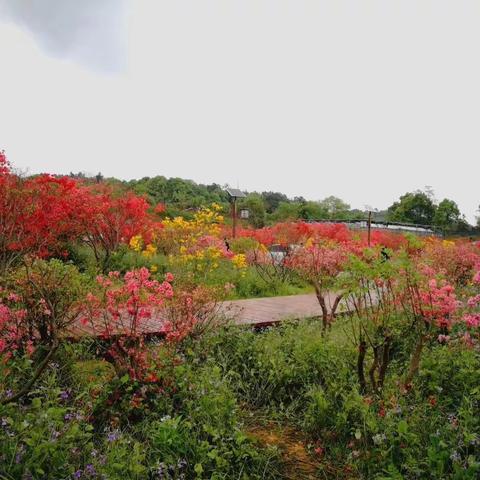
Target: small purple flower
90,470
78,474
64,395
69,416
9,393
113,436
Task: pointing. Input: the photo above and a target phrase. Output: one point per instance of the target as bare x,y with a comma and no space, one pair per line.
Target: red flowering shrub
110,218
454,260
39,215
191,311
295,233
471,312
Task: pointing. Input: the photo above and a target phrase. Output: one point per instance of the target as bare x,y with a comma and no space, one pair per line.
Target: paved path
259,311
255,311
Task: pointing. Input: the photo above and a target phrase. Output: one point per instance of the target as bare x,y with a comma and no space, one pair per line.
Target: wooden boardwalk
257,312
268,311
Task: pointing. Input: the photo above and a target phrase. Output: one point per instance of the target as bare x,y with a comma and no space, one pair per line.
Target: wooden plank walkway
257,312
268,311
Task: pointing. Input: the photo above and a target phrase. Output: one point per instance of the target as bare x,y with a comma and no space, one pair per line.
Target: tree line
184,197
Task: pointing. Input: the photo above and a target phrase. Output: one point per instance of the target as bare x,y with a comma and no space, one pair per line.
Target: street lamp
234,194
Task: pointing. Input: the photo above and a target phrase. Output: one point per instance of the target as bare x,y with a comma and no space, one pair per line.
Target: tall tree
335,207
447,215
273,199
413,207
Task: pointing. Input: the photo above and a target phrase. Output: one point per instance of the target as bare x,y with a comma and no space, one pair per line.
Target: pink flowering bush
438,303
454,260
122,311
319,263
471,311
11,328
38,307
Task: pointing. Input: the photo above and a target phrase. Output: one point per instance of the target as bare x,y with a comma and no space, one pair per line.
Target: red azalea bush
471,311
40,215
456,260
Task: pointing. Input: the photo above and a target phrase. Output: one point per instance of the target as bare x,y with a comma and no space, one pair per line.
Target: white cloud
92,32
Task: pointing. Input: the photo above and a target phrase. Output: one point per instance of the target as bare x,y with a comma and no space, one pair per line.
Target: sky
364,100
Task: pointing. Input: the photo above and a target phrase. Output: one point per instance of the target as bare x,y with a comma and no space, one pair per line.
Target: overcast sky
364,100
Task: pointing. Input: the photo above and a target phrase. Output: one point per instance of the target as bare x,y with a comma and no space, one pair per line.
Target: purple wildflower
64,395
113,436
90,470
78,474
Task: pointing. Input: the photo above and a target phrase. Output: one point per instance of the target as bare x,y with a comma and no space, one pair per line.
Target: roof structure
235,193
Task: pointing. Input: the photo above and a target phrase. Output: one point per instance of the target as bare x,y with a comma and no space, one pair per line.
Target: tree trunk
374,368
415,360
385,361
362,351
323,306
335,305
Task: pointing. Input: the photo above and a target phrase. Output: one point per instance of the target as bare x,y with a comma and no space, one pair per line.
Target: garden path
268,311
258,312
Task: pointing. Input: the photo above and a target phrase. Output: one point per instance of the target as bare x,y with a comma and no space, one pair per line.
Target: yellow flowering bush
206,222
136,243
194,247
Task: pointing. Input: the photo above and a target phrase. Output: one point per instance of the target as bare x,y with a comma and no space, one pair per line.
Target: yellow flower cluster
239,261
207,221
205,260
150,250
136,243
187,242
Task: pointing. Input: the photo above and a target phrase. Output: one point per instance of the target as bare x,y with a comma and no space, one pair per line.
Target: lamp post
369,224
234,194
